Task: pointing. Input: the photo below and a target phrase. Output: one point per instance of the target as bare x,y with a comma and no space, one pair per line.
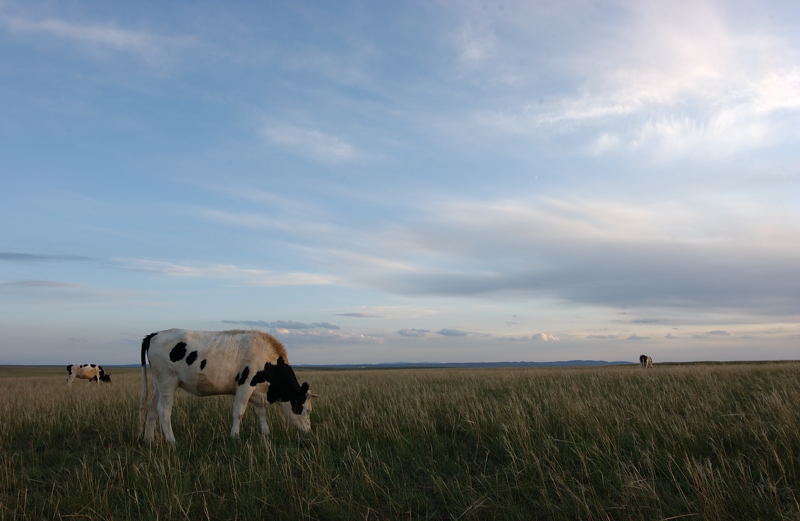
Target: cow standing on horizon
251,365
91,372
646,362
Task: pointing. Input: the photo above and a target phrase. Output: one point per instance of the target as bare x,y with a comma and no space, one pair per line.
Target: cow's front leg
259,401
239,406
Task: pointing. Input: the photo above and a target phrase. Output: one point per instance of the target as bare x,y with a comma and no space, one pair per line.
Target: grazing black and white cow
646,362
91,372
251,365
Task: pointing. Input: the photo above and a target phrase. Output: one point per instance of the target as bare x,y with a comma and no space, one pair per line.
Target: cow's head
295,399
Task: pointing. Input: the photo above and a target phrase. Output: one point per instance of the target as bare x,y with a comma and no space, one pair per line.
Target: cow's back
212,362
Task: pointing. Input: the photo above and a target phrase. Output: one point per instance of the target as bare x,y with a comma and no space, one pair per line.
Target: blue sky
437,181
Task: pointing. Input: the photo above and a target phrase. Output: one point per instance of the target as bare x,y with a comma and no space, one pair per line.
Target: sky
402,181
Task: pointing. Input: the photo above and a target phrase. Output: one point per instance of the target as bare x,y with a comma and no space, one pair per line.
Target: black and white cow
646,362
251,365
91,372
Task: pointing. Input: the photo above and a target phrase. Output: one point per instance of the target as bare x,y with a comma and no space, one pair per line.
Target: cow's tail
143,403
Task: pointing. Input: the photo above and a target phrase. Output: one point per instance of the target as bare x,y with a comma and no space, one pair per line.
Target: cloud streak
93,36
596,252
227,272
35,257
283,324
310,142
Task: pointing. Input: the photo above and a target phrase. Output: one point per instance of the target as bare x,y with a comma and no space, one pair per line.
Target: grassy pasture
695,442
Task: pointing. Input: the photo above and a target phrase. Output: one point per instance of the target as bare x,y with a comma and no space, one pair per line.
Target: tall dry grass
697,442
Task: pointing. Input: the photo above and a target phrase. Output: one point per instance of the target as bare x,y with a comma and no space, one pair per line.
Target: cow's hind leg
166,397
259,401
151,416
239,406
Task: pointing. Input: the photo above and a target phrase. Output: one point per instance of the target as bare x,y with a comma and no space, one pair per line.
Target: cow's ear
304,387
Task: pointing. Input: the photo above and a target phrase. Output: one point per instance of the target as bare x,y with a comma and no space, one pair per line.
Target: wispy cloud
36,257
716,333
474,43
537,337
96,36
299,334
50,284
266,221
414,333
389,312
671,83
449,331
294,337
311,142
283,324
661,256
227,272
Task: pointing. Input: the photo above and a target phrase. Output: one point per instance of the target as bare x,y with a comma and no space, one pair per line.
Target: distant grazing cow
646,362
91,372
251,365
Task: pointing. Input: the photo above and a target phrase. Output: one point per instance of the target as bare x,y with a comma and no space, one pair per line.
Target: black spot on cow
93,365
203,364
243,378
69,369
178,352
283,385
260,376
191,358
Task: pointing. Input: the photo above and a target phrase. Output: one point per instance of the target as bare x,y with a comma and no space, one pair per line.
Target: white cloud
545,337
94,36
283,324
605,142
388,312
474,44
227,272
311,143
672,82
277,222
295,337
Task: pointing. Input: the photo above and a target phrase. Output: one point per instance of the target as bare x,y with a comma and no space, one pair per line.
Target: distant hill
434,365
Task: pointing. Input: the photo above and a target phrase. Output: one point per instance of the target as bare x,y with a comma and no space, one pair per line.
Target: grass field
697,442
